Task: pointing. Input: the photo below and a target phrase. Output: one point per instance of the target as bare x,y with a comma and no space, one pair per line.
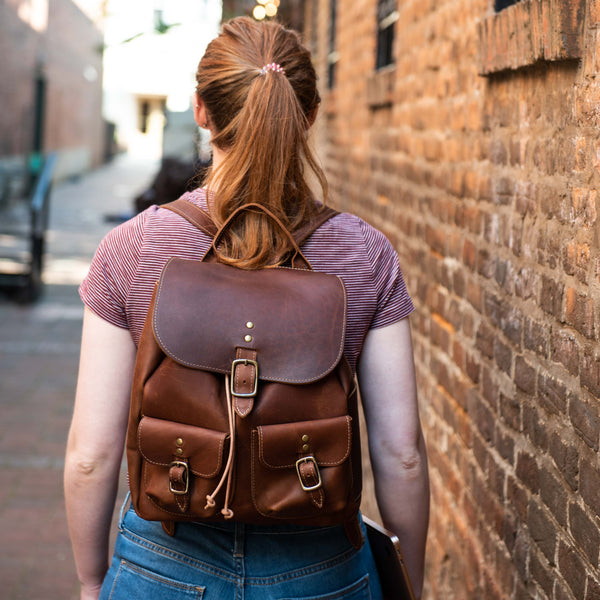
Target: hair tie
272,67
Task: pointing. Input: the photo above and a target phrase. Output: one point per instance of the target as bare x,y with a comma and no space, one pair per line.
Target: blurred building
151,54
289,12
51,74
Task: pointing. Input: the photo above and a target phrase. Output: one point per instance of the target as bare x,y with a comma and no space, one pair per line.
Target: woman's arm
95,445
398,456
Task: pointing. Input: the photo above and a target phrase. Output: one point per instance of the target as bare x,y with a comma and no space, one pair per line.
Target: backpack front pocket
302,470
181,465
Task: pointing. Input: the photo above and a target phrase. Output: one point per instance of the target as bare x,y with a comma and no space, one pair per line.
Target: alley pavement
39,350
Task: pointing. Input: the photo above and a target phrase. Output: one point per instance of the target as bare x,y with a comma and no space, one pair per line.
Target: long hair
261,119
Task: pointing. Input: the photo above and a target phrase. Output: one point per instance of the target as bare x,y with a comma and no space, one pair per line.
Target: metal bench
24,209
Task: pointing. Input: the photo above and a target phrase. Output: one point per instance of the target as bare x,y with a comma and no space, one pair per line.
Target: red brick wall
487,186
70,44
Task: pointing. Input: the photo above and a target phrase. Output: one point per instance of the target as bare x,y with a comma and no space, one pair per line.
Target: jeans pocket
133,582
359,590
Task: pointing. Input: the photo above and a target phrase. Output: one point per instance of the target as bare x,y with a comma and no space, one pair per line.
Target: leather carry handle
201,219
273,217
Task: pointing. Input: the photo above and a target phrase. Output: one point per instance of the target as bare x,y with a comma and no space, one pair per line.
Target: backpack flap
293,319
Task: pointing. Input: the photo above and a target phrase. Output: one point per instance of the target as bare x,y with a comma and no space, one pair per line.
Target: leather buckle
245,362
185,478
309,459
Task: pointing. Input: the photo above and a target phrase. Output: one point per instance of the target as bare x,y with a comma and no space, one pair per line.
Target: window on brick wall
387,15
333,56
502,4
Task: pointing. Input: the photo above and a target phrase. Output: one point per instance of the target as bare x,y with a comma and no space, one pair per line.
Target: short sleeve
393,300
106,287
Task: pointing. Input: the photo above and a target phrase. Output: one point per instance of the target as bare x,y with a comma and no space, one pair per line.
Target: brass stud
179,451
250,325
305,438
179,442
248,338
305,448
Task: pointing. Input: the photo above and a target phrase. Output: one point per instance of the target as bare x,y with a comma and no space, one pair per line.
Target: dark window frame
502,4
333,55
387,15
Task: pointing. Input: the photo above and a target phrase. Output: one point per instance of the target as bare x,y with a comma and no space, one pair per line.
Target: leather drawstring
228,472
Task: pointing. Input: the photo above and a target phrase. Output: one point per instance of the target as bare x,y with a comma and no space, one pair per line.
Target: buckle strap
308,473
244,380
179,483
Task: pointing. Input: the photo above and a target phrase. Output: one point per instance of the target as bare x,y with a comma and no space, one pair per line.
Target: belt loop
238,549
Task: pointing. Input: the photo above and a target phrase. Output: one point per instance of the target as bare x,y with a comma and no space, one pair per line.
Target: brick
505,445
579,312
489,388
521,555
526,283
585,419
592,590
474,295
525,375
543,531
498,152
566,459
472,367
552,393
583,207
436,239
517,497
527,471
572,569
505,573
590,373
510,410
564,350
542,573
554,495
589,484
535,337
534,425
576,260
482,416
585,532
485,340
551,297
485,263
503,356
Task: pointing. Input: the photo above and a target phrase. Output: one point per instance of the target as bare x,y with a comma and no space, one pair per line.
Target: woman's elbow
86,466
406,459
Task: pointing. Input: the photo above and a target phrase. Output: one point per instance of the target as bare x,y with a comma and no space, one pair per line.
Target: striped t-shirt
129,260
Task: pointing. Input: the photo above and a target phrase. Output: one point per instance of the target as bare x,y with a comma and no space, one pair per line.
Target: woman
256,94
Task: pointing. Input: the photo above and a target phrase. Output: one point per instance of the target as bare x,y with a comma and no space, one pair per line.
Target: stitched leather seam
336,463
195,472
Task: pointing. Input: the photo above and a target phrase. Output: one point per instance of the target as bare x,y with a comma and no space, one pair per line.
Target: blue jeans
233,561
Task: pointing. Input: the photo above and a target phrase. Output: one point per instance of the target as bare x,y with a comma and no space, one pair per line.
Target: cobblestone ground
39,348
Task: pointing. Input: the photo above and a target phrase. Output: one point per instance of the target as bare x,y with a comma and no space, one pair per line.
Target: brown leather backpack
243,405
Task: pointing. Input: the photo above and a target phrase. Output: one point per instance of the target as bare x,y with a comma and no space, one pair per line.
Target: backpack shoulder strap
201,219
302,234
194,214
